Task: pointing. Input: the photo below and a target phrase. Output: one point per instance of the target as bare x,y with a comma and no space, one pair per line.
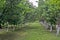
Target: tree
2,3
15,12
50,11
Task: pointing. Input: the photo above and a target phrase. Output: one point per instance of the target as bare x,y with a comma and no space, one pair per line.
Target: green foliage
11,12
16,12
50,10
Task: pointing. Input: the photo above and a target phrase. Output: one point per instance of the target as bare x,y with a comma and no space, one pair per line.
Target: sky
34,2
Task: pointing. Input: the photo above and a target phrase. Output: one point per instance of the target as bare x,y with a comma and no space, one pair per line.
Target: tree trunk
13,27
7,29
51,28
0,26
57,30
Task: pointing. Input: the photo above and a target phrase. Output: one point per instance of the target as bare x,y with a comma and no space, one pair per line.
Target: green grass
33,31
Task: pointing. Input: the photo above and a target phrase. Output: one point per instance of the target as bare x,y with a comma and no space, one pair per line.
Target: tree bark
50,28
57,30
0,26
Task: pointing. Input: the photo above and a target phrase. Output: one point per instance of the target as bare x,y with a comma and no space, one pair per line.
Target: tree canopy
50,10
16,12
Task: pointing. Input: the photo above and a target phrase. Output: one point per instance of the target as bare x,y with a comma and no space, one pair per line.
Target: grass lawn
33,31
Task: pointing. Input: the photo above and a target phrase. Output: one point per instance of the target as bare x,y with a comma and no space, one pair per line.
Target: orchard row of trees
50,11
15,12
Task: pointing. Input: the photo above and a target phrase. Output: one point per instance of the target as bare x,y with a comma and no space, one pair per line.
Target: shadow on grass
8,36
14,35
26,28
